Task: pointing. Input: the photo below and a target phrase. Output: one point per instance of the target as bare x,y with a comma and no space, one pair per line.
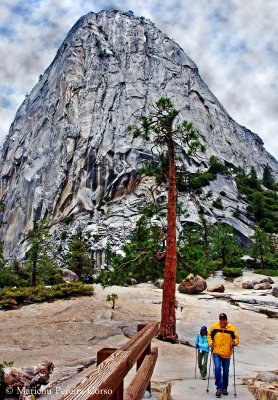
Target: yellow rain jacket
222,339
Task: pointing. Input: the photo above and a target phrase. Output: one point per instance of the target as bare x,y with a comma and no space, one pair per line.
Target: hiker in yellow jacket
222,337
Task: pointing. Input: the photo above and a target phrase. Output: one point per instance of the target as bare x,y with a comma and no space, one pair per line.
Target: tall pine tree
162,127
77,258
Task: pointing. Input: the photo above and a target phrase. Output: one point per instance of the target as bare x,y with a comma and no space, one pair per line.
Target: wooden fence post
101,356
146,352
138,385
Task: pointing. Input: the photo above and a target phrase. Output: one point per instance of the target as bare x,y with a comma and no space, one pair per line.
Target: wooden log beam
146,352
103,381
138,343
137,386
147,349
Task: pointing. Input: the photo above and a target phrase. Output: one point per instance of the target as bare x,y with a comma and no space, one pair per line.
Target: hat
203,328
223,316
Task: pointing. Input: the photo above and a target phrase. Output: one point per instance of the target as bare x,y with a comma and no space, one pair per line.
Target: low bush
271,261
112,297
198,180
56,279
267,272
68,219
231,272
218,203
8,279
213,265
20,296
217,167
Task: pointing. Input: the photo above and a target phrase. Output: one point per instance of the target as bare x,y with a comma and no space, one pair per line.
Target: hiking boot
224,391
218,393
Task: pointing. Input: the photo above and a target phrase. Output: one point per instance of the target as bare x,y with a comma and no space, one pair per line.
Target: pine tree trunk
167,330
34,272
206,239
223,258
261,255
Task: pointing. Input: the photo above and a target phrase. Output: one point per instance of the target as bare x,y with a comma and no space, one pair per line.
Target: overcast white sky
233,42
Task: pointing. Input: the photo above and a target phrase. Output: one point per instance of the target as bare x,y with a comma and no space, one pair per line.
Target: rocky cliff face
69,152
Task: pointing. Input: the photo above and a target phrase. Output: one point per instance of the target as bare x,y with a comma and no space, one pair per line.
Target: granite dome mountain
69,155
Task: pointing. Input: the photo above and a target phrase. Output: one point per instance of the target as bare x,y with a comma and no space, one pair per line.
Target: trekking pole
196,362
234,372
209,371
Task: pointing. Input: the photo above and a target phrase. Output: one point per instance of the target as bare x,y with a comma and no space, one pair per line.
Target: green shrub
112,297
68,219
268,225
8,279
218,203
271,261
209,194
216,166
198,180
213,265
192,259
38,294
267,272
55,279
235,262
64,235
231,272
262,205
236,213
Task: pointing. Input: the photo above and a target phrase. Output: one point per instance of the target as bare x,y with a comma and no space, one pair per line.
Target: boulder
192,285
131,281
218,288
68,275
247,285
159,283
268,279
263,286
267,376
275,291
264,386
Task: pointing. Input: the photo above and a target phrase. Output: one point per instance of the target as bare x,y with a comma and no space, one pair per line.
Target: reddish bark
167,330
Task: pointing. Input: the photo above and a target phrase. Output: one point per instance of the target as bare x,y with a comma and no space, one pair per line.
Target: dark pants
202,362
221,371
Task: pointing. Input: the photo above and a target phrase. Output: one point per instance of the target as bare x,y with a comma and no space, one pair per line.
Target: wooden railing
106,381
